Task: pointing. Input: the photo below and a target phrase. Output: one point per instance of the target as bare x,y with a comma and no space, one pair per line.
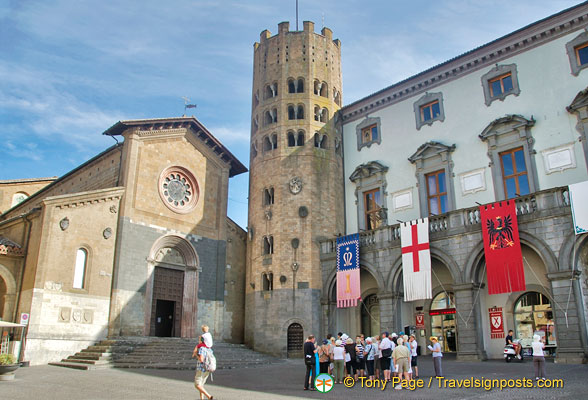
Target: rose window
178,189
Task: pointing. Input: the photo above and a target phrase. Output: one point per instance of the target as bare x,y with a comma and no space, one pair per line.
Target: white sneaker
536,378
519,356
398,387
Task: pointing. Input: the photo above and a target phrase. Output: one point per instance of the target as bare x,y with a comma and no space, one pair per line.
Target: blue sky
69,69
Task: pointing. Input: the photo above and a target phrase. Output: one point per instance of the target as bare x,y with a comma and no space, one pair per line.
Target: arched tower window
300,112
300,86
320,141
291,112
267,144
337,96
253,150
291,139
324,92
271,90
274,141
317,113
300,138
324,115
268,196
268,245
80,269
291,86
256,99
317,87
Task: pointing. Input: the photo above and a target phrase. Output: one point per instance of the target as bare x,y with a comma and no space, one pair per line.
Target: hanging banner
348,287
420,321
578,200
496,323
416,259
502,248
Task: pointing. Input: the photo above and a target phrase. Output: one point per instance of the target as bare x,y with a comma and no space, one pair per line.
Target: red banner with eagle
502,248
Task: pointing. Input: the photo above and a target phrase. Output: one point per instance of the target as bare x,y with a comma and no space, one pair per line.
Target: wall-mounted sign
442,311
420,321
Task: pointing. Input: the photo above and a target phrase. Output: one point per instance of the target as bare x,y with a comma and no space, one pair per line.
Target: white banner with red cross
496,323
416,259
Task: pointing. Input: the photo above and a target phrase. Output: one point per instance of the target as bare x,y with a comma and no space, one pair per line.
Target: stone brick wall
26,186
234,284
100,172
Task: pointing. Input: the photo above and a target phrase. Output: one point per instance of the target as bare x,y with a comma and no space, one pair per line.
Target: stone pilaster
468,345
570,341
387,310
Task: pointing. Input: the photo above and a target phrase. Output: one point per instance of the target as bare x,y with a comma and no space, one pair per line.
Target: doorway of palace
370,316
3,291
166,307
295,340
443,321
534,316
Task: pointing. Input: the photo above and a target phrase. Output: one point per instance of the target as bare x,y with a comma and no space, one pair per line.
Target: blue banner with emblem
348,284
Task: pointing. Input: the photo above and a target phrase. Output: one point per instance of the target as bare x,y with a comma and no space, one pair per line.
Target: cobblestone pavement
279,381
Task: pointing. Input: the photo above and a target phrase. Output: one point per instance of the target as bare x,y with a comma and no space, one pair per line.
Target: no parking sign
24,318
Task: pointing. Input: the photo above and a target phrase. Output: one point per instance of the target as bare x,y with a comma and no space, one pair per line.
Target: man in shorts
401,357
201,352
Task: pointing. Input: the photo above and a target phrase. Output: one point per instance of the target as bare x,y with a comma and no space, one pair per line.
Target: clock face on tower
178,189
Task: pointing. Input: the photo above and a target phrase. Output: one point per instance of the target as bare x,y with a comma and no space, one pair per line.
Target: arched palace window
533,315
443,323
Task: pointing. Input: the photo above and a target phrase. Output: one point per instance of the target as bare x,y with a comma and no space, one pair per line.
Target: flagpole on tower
296,14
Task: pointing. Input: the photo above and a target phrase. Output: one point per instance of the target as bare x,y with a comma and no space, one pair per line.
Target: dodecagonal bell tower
295,184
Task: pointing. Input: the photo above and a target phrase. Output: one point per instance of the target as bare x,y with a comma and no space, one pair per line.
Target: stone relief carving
107,233
64,223
64,314
113,209
295,185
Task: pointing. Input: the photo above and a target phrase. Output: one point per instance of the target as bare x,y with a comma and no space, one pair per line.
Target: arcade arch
7,293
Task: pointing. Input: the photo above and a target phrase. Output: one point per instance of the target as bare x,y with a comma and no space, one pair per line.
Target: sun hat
344,337
338,342
349,341
433,338
394,334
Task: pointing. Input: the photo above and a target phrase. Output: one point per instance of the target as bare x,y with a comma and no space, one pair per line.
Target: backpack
209,361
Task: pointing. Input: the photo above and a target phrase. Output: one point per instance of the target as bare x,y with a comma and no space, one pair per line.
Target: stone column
570,343
468,348
387,311
326,316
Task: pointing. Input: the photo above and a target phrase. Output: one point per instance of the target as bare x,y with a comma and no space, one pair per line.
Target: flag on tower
348,287
578,200
416,259
502,248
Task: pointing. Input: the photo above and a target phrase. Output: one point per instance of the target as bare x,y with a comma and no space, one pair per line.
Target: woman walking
377,356
437,355
339,360
538,357
351,358
359,348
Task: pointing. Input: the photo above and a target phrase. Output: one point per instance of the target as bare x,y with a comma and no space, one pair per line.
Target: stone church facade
134,242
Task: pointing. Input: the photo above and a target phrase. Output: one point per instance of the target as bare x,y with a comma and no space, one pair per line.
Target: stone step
65,364
89,362
91,356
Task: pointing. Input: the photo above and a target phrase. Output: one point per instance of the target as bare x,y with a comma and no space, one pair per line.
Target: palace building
507,120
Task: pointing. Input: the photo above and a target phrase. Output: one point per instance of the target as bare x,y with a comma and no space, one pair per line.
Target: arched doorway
443,321
370,316
295,340
7,294
172,306
2,295
533,315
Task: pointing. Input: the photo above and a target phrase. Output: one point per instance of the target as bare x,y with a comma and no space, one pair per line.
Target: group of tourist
392,355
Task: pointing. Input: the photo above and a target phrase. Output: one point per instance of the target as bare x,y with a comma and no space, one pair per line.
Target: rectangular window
372,205
514,173
500,85
437,192
430,111
369,133
582,54
268,197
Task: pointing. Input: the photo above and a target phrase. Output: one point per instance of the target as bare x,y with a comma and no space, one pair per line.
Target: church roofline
177,122
60,179
544,30
28,180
